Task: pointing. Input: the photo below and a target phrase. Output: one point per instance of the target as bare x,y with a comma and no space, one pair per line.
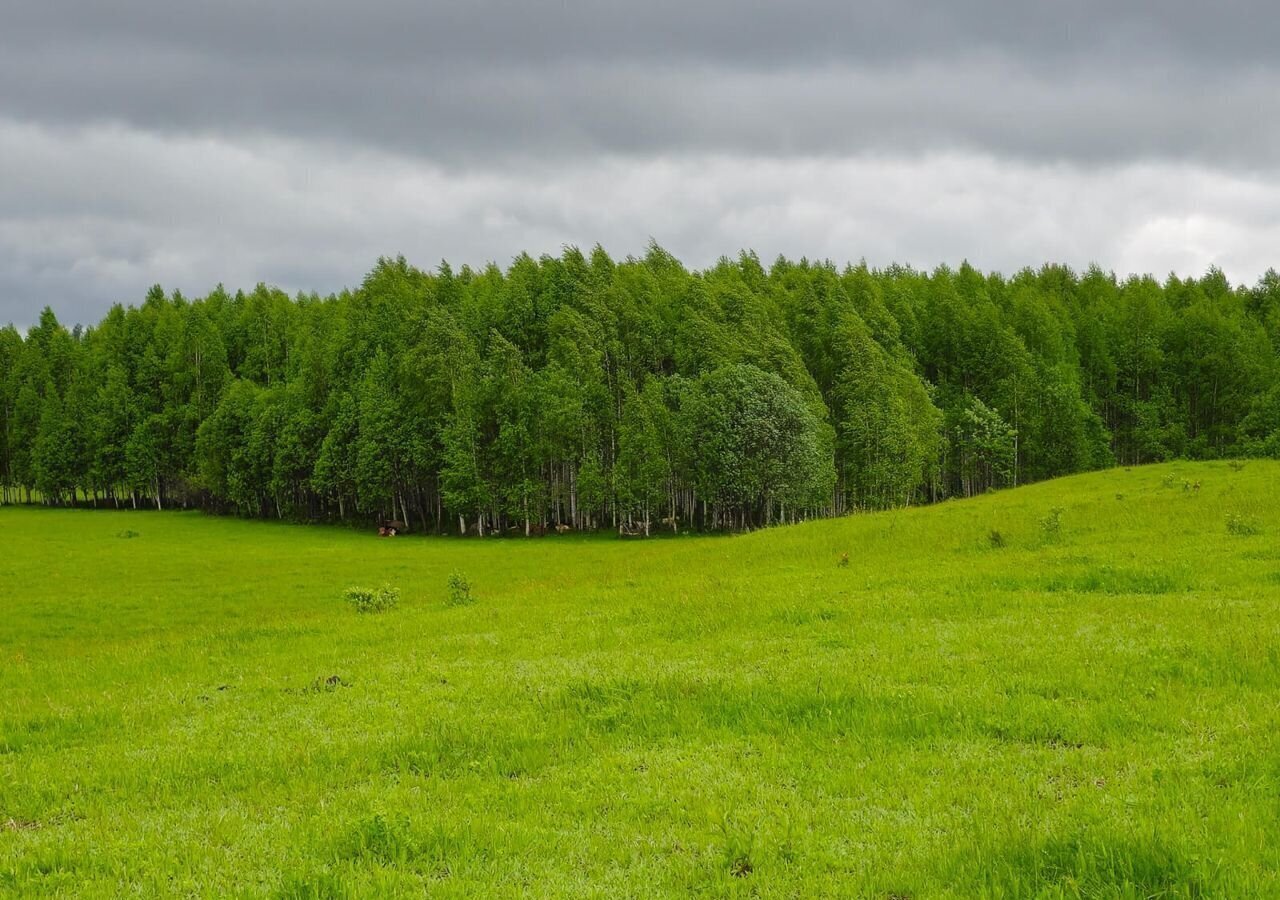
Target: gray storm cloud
295,142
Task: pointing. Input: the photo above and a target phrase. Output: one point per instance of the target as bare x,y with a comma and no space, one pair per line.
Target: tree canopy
594,392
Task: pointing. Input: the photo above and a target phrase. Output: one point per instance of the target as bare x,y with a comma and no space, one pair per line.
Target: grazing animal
563,529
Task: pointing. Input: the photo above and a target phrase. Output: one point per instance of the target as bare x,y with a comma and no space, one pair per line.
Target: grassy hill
1086,709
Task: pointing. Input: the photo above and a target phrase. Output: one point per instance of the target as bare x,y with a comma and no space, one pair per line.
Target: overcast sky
294,142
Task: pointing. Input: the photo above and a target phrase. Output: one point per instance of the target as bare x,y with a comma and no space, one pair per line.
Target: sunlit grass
197,709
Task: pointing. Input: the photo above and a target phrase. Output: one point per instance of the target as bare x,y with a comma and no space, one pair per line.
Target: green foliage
755,438
326,684
382,839
52,461
984,445
370,600
888,429
323,886
1242,525
1051,524
737,847
600,394
459,590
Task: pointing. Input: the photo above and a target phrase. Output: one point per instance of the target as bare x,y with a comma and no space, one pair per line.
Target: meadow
1070,689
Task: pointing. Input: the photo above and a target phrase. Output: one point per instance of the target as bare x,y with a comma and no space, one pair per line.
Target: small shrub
844,560
1120,497
321,886
996,539
381,839
1118,580
1051,525
367,600
738,845
459,590
322,685
361,598
1241,525
128,533
1236,465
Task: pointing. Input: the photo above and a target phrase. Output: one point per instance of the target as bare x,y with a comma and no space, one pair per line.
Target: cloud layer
147,142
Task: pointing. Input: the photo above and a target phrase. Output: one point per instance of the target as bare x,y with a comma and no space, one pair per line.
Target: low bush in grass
1051,525
737,847
368,600
459,590
385,839
1241,525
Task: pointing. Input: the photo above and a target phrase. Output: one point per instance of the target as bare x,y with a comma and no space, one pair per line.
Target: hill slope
1086,711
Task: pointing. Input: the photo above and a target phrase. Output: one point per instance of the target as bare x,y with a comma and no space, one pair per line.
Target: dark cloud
294,141
459,80
480,32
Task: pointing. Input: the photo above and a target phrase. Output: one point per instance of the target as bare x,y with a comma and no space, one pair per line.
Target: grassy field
1089,710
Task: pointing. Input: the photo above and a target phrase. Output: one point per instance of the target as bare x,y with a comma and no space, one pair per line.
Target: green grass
197,710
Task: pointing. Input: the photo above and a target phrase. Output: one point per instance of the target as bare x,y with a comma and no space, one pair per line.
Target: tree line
580,390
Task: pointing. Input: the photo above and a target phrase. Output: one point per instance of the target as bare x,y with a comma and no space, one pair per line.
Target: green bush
322,685
737,847
367,600
459,590
1051,525
1241,525
384,839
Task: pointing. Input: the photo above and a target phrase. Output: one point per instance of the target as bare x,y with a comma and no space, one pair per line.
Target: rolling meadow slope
1068,689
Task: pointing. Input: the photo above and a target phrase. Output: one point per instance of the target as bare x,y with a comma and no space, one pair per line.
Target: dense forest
633,394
